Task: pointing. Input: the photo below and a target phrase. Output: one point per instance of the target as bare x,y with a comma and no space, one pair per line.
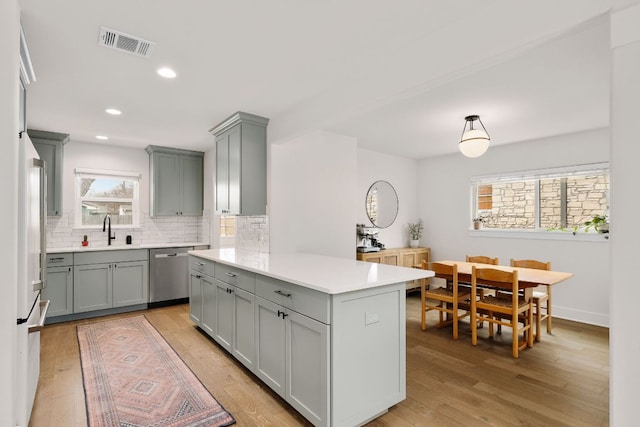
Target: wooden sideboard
405,257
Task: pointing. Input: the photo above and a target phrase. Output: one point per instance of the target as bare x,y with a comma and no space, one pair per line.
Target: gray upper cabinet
50,146
241,165
175,181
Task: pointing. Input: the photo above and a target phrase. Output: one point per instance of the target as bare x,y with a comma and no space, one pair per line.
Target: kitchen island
327,334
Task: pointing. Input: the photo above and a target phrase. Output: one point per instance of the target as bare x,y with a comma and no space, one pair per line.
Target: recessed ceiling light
102,137
113,111
167,73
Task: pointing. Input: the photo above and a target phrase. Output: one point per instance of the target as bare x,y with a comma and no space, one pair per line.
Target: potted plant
599,223
415,232
477,223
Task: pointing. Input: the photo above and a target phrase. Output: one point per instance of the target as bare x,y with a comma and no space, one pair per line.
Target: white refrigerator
32,217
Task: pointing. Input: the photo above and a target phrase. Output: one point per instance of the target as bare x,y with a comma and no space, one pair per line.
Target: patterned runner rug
132,377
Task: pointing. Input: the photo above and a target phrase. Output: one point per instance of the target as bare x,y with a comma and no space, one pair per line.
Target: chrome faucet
107,218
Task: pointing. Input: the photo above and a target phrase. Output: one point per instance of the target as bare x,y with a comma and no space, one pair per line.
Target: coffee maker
367,239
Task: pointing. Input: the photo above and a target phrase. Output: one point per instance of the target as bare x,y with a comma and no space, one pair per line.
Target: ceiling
399,76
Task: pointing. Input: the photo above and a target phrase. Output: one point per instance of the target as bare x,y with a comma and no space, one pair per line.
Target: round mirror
382,204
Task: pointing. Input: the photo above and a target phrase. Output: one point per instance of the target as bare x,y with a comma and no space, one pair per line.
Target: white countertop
330,275
90,248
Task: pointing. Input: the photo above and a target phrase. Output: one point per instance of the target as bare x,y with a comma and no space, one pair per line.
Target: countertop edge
80,249
407,273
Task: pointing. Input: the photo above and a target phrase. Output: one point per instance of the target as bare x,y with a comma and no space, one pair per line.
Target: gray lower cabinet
50,146
208,322
292,357
233,321
59,290
110,279
195,297
176,185
338,359
286,349
129,279
93,289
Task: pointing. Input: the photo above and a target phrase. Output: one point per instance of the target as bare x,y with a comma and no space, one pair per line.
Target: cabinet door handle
284,294
282,313
197,276
200,263
229,291
230,274
69,271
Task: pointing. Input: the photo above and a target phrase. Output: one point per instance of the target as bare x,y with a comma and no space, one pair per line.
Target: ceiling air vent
125,42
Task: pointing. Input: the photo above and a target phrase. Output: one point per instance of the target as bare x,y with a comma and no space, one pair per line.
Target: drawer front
236,277
201,265
305,301
55,260
104,257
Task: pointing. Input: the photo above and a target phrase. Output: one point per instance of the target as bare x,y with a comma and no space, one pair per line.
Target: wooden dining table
528,278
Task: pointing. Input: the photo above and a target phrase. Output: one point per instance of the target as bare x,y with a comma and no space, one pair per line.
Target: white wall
312,189
445,205
625,176
9,51
400,172
103,156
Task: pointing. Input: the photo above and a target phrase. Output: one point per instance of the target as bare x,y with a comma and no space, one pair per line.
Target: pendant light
475,140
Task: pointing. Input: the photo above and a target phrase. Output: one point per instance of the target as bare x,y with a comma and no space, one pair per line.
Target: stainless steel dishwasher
169,274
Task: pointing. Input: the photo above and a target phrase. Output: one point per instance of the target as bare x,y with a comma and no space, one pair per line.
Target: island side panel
368,344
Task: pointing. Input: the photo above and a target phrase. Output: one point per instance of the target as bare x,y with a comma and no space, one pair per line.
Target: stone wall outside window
513,203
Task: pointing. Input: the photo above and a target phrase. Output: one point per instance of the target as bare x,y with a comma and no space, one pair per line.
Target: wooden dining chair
507,310
541,298
482,259
446,298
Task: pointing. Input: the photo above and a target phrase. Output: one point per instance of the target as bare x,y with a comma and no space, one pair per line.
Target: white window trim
136,177
537,233
540,234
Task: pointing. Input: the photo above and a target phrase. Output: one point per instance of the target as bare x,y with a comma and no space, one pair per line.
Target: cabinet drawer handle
200,264
282,313
230,274
284,294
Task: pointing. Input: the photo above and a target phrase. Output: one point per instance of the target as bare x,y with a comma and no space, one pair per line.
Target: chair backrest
482,259
495,278
531,263
443,271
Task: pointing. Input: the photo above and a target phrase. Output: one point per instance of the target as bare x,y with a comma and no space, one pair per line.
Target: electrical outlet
371,318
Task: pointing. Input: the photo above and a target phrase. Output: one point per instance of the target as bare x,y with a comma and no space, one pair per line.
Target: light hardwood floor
562,381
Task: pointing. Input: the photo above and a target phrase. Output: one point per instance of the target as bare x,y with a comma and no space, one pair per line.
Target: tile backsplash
252,233
160,230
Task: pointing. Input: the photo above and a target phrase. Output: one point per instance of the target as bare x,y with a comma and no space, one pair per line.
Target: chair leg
474,325
490,316
549,309
455,321
424,307
538,316
530,335
515,343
